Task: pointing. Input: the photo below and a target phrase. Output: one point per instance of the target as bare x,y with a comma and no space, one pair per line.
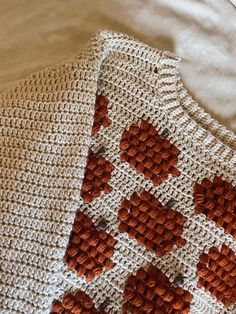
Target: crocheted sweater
117,190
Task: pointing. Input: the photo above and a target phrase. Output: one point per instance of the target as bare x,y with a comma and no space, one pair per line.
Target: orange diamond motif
90,250
101,112
217,201
80,303
96,178
150,291
149,153
145,219
217,274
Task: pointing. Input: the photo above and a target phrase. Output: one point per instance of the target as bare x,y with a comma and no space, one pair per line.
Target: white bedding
35,34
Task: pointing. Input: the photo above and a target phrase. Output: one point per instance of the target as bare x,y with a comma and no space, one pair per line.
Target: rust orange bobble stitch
217,201
101,112
96,178
80,303
149,153
94,250
145,219
217,273
150,291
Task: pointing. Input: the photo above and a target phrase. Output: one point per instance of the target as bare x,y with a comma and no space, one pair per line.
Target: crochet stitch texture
117,190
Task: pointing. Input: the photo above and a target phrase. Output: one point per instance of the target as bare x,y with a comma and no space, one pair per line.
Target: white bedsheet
35,34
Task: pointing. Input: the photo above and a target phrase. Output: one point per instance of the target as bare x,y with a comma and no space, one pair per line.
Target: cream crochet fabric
159,196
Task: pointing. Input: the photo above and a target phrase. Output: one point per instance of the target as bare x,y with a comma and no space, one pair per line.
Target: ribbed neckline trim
206,132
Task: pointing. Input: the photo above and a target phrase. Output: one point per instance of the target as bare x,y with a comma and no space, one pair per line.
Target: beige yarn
46,124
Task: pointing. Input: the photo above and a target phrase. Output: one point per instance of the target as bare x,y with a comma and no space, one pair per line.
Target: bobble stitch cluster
158,228
96,178
151,292
217,201
101,112
80,303
90,250
217,274
149,153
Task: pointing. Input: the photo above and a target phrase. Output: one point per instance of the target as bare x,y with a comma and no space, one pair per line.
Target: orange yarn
80,303
149,153
145,219
151,292
217,274
96,178
89,250
217,201
100,116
